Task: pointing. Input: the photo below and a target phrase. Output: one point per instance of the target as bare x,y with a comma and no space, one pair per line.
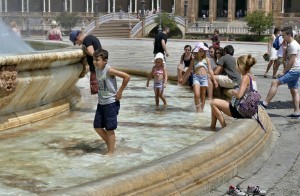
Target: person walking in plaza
272,51
89,45
215,39
220,106
226,73
290,74
109,96
160,42
184,63
160,76
54,33
280,53
201,66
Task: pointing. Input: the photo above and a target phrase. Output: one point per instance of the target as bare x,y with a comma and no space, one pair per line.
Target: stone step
115,28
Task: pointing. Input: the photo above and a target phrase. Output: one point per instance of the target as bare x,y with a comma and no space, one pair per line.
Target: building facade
43,11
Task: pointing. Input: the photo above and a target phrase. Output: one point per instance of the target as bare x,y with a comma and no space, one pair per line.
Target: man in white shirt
280,53
291,72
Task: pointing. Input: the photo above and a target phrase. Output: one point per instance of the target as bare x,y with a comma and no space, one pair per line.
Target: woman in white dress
271,51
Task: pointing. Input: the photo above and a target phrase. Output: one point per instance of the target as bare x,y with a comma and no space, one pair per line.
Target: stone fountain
39,85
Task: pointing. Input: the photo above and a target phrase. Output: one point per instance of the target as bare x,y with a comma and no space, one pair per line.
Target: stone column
71,5
230,11
135,6
212,11
27,6
92,10
152,5
5,5
87,6
22,6
108,6
44,5
157,5
0,6
114,6
130,7
282,6
49,5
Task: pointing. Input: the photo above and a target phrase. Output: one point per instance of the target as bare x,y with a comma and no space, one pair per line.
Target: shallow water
65,151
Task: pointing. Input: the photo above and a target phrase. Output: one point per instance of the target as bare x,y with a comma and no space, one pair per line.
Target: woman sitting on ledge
244,64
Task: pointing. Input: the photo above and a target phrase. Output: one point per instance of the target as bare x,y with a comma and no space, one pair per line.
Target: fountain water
11,43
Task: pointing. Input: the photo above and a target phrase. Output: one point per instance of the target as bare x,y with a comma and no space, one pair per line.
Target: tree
67,20
258,22
169,21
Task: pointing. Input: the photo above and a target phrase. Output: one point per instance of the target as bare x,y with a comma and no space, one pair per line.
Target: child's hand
216,83
118,96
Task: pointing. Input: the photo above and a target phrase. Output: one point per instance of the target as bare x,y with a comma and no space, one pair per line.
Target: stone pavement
277,170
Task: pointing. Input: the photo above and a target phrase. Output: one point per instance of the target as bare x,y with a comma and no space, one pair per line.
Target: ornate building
37,12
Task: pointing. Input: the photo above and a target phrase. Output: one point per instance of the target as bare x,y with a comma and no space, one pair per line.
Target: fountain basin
45,83
192,171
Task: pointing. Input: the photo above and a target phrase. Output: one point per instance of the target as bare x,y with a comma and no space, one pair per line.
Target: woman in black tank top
184,63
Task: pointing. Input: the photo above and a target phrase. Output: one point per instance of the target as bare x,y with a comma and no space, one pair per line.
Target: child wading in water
109,96
201,66
160,78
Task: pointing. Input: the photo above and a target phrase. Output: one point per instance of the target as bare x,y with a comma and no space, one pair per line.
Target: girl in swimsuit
160,78
201,66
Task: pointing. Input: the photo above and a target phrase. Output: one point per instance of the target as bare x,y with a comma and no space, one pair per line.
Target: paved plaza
276,170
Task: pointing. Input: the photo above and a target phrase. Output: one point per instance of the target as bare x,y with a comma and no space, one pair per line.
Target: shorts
279,60
158,85
291,78
225,81
106,116
234,112
201,80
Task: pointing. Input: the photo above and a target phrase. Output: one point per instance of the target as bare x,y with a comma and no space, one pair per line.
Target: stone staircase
115,28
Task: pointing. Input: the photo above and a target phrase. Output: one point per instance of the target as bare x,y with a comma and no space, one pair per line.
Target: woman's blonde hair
245,62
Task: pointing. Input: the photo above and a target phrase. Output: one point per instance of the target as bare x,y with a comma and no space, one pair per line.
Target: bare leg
272,91
111,140
179,74
218,106
197,97
210,88
156,92
271,62
275,68
295,96
161,95
102,134
202,96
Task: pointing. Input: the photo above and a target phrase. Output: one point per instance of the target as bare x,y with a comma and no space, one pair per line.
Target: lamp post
143,8
159,27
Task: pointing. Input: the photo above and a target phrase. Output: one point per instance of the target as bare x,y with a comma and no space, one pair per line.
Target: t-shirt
228,63
294,48
91,40
157,43
280,50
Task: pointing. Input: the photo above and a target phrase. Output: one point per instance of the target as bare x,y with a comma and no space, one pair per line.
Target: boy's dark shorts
106,116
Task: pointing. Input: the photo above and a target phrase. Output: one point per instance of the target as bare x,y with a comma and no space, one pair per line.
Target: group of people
206,69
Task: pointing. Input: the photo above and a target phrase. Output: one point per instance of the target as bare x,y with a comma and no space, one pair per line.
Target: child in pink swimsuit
160,78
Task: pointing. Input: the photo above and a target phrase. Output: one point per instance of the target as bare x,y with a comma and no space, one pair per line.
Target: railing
88,29
116,16
207,29
151,19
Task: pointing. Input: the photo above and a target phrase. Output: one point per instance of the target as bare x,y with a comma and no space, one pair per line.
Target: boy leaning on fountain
109,96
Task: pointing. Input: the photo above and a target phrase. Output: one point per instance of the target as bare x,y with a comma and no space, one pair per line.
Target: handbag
93,83
248,104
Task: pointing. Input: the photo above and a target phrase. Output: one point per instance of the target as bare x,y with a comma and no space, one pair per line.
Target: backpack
248,105
276,43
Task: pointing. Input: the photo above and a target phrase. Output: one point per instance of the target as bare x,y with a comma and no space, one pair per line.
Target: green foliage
169,21
258,22
67,20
